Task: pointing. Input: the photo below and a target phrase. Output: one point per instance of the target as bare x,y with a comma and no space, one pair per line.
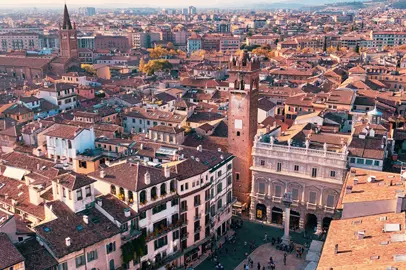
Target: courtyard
250,231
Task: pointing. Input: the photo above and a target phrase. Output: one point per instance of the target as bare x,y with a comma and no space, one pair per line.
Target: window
333,174
296,168
163,189
352,160
237,176
197,200
159,208
124,227
143,215
262,162
238,133
330,200
219,188
186,186
219,173
314,172
368,162
161,242
79,194
261,188
197,236
219,204
172,186
312,197
63,266
153,193
82,164
279,167
376,163
175,235
295,194
360,161
174,202
80,260
111,247
229,180
64,192
278,191
92,255
143,197
88,191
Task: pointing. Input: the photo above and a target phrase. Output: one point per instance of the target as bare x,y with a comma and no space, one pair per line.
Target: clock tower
68,37
242,119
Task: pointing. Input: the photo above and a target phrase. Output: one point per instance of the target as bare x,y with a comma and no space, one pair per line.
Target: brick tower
242,119
68,37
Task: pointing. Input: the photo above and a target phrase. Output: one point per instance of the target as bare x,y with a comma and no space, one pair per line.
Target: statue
272,140
307,143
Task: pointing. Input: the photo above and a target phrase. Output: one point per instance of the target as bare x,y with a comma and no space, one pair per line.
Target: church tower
242,119
68,37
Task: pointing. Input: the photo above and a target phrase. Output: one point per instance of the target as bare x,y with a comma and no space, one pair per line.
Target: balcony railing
276,199
296,203
132,235
328,209
184,236
311,206
184,223
162,231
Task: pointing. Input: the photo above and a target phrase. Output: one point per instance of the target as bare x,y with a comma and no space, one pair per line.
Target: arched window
242,85
153,193
238,133
113,189
143,197
172,186
236,84
122,194
163,189
130,196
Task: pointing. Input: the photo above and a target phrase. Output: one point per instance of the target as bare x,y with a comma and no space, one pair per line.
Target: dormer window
88,191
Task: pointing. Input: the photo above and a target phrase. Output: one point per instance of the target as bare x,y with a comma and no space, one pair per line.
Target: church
21,66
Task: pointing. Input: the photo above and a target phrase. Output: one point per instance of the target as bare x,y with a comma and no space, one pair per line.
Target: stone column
287,201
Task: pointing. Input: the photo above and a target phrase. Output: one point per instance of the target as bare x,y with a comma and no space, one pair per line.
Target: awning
14,173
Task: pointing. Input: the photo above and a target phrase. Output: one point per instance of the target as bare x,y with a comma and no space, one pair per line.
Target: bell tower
68,37
242,119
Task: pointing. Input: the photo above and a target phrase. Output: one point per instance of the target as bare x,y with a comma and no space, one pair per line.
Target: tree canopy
155,65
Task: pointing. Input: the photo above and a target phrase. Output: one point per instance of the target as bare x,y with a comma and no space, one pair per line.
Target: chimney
348,189
360,235
221,157
199,148
147,178
355,181
142,146
102,174
371,179
67,241
167,171
86,219
353,172
219,149
336,249
38,166
127,212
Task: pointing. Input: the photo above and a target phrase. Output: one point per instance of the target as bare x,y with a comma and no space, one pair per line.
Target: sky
110,3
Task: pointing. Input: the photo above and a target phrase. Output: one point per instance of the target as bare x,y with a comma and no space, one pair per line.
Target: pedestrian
263,267
272,266
244,266
271,259
284,258
266,237
259,266
247,267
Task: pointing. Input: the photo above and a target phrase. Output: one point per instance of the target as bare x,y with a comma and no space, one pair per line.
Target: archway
261,211
294,220
277,215
326,223
310,222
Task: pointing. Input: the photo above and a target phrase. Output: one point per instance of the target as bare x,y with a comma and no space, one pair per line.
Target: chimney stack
127,212
102,174
336,249
167,171
147,178
200,148
86,219
67,241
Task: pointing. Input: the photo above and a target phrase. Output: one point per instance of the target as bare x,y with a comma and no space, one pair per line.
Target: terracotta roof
9,255
115,207
73,180
64,131
36,256
167,129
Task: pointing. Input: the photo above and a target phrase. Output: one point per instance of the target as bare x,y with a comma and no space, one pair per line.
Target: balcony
184,223
197,203
329,210
276,199
132,235
296,203
183,209
162,231
198,217
311,206
184,236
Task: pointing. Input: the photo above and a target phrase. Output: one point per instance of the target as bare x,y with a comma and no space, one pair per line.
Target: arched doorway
310,222
326,223
294,220
277,215
261,211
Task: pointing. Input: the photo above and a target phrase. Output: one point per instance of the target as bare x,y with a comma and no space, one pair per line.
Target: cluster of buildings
104,165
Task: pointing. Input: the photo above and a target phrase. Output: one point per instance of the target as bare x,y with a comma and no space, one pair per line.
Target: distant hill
400,4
